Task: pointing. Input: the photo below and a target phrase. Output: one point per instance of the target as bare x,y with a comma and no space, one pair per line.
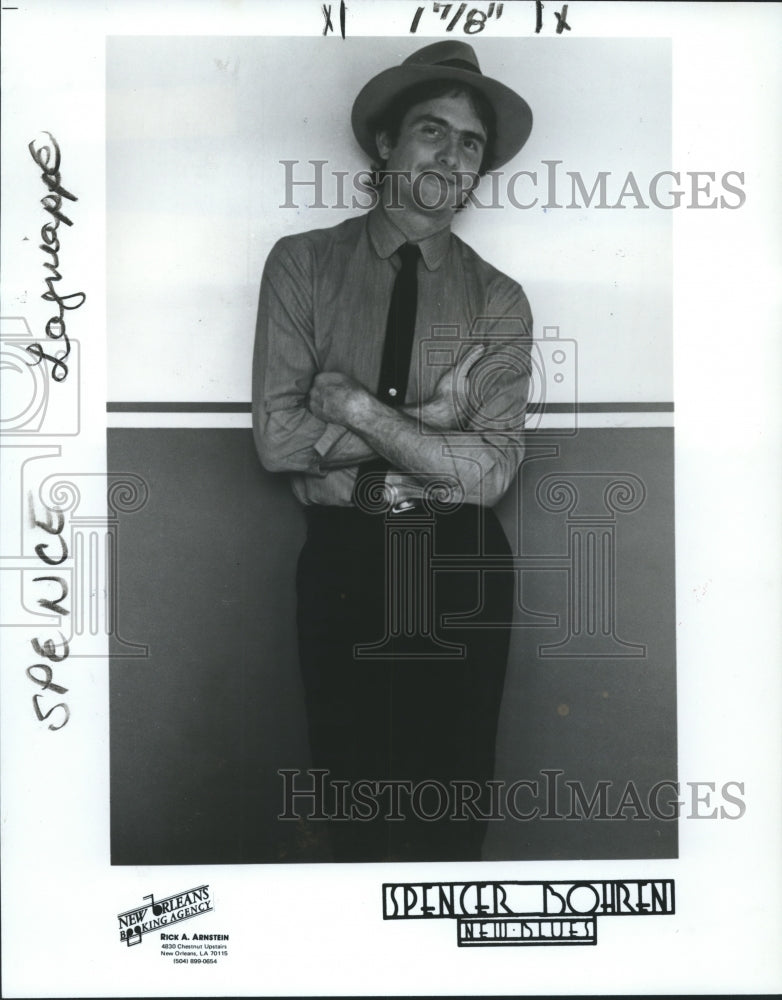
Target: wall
196,130
200,727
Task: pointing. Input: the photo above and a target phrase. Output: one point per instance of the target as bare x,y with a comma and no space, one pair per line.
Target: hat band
460,64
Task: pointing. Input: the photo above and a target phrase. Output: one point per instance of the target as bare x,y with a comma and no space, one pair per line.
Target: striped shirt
323,307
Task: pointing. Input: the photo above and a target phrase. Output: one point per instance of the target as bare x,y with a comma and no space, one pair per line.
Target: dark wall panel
205,571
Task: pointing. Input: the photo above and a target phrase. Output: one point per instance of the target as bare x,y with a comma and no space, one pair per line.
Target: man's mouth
439,176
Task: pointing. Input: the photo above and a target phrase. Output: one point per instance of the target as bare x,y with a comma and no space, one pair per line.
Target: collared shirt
323,307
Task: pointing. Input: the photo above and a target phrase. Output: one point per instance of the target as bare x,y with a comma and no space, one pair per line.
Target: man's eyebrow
446,124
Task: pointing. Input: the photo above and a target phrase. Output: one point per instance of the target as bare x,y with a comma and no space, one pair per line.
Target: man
390,377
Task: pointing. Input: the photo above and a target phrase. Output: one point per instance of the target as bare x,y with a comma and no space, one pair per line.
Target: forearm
348,449
479,462
397,435
352,448
476,470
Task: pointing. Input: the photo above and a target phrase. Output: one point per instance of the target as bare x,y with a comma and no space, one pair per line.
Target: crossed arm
314,422
372,428
417,440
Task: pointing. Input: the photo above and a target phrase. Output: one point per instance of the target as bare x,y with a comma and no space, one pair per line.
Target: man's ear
383,144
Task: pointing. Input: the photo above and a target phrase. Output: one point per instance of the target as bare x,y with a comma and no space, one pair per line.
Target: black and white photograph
402,556
383,541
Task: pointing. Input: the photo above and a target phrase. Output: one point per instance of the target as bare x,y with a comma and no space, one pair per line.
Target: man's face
444,137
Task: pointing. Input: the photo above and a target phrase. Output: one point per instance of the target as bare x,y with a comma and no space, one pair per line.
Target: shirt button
392,392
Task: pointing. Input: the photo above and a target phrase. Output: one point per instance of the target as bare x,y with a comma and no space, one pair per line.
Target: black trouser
403,711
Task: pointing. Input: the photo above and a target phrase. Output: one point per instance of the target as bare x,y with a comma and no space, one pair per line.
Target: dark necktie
398,345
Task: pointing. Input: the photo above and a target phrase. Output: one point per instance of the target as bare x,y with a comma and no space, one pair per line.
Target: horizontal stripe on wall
196,407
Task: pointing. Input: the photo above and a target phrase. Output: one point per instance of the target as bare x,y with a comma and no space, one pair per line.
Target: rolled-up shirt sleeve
498,396
284,364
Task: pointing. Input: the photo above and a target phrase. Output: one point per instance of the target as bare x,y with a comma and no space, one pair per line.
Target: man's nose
448,154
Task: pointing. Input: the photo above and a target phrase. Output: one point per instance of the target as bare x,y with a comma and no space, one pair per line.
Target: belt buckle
402,506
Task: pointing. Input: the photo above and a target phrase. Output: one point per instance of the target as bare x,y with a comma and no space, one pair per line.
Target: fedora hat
447,60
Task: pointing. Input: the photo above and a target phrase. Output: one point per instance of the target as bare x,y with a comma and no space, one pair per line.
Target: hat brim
514,116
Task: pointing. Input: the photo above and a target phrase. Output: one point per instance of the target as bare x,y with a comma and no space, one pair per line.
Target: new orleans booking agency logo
133,924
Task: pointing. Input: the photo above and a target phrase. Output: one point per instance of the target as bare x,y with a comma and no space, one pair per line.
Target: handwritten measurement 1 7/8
472,24
476,19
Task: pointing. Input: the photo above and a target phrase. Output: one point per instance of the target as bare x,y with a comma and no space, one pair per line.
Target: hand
336,398
450,395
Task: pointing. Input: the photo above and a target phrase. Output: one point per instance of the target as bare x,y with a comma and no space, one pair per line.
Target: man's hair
390,119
